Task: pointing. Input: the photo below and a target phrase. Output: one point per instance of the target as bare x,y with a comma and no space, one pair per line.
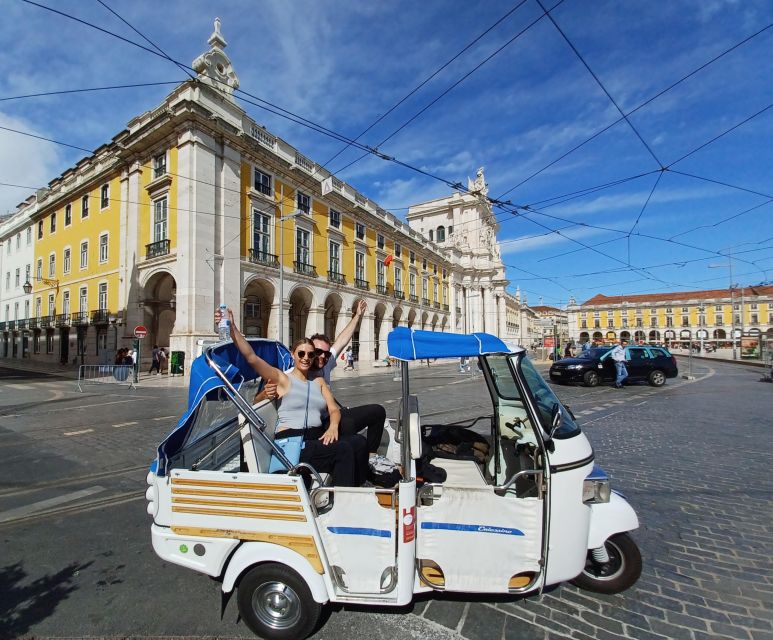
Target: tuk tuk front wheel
276,603
619,573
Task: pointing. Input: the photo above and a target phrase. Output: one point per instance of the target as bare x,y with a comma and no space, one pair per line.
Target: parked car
644,363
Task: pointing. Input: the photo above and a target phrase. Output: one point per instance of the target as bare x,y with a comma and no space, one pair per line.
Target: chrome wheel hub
276,605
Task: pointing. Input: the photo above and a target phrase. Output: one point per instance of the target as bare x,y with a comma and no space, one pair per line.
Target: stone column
367,345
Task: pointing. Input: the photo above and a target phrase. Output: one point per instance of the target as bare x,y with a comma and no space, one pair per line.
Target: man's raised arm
345,336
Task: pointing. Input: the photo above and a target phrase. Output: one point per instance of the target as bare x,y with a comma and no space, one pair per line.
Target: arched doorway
584,337
378,324
625,335
434,322
396,315
158,303
424,319
654,336
639,336
597,336
300,304
333,304
411,317
256,313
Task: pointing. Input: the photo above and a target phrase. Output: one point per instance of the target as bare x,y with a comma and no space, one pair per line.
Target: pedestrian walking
163,360
155,362
568,350
349,360
618,355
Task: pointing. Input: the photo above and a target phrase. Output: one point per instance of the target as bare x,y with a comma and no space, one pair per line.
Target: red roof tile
601,299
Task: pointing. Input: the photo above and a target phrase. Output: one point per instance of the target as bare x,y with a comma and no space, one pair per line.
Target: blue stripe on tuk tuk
361,531
476,528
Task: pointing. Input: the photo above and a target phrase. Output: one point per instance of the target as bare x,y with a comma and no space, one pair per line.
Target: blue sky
343,64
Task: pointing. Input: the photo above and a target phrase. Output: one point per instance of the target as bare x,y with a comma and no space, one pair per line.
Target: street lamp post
282,219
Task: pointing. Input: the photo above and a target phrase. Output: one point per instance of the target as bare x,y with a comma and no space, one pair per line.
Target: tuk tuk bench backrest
257,454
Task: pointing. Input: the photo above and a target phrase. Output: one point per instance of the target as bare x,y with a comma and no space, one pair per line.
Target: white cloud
532,242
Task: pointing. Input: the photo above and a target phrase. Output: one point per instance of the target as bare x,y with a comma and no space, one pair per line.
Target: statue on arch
478,186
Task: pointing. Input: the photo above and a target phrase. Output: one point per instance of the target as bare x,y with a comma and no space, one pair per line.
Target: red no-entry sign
140,332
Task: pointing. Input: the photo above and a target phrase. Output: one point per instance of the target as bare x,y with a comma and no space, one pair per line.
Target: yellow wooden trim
231,503
304,545
234,494
235,485
239,514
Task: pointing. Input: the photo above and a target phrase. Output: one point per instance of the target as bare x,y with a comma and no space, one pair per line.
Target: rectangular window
434,292
685,310
66,261
52,226
424,264
39,270
398,279
7,280
412,284
66,303
102,296
159,220
303,202
334,219
718,307
359,231
755,319
412,257
159,165
51,304
425,288
262,182
302,247
27,273
18,277
29,236
103,248
380,276
84,254
18,246
83,300
104,196
398,250
334,258
40,234
52,266
85,207
359,266
380,241
261,234
68,215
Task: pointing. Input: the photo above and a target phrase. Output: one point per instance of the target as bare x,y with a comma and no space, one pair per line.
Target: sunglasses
305,354
321,352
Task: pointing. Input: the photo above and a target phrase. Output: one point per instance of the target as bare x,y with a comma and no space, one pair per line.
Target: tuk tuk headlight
596,487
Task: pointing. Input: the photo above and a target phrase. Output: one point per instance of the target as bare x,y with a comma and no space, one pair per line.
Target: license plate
556,373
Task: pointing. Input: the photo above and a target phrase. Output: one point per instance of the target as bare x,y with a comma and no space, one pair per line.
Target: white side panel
206,555
359,537
480,540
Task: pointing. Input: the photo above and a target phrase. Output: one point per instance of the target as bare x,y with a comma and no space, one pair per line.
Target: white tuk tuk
533,511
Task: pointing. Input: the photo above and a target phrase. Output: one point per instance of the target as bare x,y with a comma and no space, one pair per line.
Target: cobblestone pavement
691,457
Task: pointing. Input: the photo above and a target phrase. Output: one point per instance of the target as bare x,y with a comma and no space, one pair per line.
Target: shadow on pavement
24,605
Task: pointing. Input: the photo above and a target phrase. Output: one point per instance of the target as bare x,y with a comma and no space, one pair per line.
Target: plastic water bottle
224,326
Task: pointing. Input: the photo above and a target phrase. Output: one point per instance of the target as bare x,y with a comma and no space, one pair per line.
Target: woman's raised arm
261,367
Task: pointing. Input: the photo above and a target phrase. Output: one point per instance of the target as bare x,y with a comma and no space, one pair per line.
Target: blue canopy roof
204,382
408,344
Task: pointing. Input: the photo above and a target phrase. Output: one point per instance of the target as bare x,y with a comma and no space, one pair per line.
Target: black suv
651,364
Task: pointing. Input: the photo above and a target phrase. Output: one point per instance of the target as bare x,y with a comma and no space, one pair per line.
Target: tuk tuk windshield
546,400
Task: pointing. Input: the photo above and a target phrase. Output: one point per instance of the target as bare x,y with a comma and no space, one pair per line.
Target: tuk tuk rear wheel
276,603
621,572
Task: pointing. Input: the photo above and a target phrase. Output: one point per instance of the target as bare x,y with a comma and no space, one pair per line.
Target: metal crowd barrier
116,374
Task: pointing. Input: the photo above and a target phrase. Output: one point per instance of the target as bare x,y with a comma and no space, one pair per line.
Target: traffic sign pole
139,332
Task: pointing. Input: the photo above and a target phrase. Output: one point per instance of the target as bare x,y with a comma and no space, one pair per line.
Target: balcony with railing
446,307
413,298
361,284
33,323
157,249
264,258
305,269
22,324
400,295
336,277
100,316
80,318
425,301
11,325
436,304
381,288
3,325
62,320
47,322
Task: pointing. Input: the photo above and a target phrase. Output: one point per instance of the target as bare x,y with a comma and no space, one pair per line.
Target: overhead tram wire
427,79
455,84
640,106
144,37
43,94
641,213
